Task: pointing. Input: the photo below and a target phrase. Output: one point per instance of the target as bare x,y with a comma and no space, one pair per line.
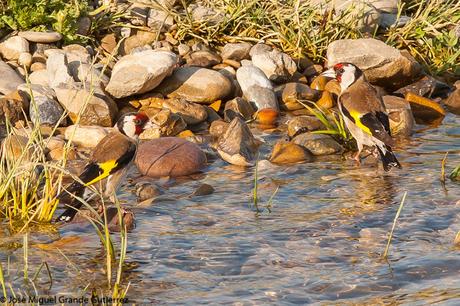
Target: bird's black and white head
133,124
345,73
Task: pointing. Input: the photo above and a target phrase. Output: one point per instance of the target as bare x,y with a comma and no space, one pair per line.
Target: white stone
41,37
277,66
256,87
56,67
12,47
85,136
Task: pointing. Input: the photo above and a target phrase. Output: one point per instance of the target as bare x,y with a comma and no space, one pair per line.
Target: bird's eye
341,70
137,121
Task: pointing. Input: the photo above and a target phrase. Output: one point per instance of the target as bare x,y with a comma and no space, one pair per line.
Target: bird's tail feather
74,191
388,158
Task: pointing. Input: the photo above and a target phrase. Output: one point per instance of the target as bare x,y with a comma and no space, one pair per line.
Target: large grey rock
41,37
277,66
95,106
196,84
256,87
9,79
43,107
382,64
237,145
140,72
57,70
12,47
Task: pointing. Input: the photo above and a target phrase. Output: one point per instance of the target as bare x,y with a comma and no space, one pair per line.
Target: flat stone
41,37
191,113
196,84
287,153
140,72
9,79
169,156
318,144
303,124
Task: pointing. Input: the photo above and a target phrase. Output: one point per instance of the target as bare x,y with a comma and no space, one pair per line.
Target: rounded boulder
169,156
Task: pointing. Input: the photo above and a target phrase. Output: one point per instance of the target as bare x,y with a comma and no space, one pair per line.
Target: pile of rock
204,95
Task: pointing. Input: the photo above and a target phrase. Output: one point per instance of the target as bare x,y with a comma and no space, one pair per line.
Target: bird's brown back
112,147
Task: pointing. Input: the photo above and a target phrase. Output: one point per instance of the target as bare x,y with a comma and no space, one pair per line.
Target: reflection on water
321,240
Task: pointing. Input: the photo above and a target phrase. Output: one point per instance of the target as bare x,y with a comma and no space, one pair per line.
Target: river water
319,241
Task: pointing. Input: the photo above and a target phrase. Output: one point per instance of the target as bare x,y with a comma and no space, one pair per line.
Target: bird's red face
339,70
140,120
133,124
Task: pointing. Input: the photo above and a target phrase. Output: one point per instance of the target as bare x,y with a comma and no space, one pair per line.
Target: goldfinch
108,164
363,112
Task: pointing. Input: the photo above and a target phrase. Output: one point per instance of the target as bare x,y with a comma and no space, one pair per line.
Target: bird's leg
356,157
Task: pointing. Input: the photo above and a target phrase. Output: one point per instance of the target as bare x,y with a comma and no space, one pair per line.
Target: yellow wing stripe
106,168
357,117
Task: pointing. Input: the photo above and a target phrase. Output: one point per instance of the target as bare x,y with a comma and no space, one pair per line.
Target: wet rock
382,64
400,114
191,113
9,79
39,77
238,106
319,83
169,156
318,144
256,87
236,51
303,124
96,108
41,37
202,190
12,107
196,84
291,93
267,117
212,114
203,58
46,110
218,128
16,148
57,71
426,87
453,102
425,111
277,66
85,136
12,47
140,72
287,153
147,190
25,59
237,145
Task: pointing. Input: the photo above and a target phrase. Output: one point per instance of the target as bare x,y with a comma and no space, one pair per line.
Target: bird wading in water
364,113
108,165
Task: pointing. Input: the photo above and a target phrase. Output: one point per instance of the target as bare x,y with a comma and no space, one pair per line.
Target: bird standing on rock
363,112
109,162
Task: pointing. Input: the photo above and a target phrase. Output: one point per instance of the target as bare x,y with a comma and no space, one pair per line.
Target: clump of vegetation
42,15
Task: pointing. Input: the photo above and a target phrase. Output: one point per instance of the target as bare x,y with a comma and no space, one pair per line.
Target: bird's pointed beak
330,73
